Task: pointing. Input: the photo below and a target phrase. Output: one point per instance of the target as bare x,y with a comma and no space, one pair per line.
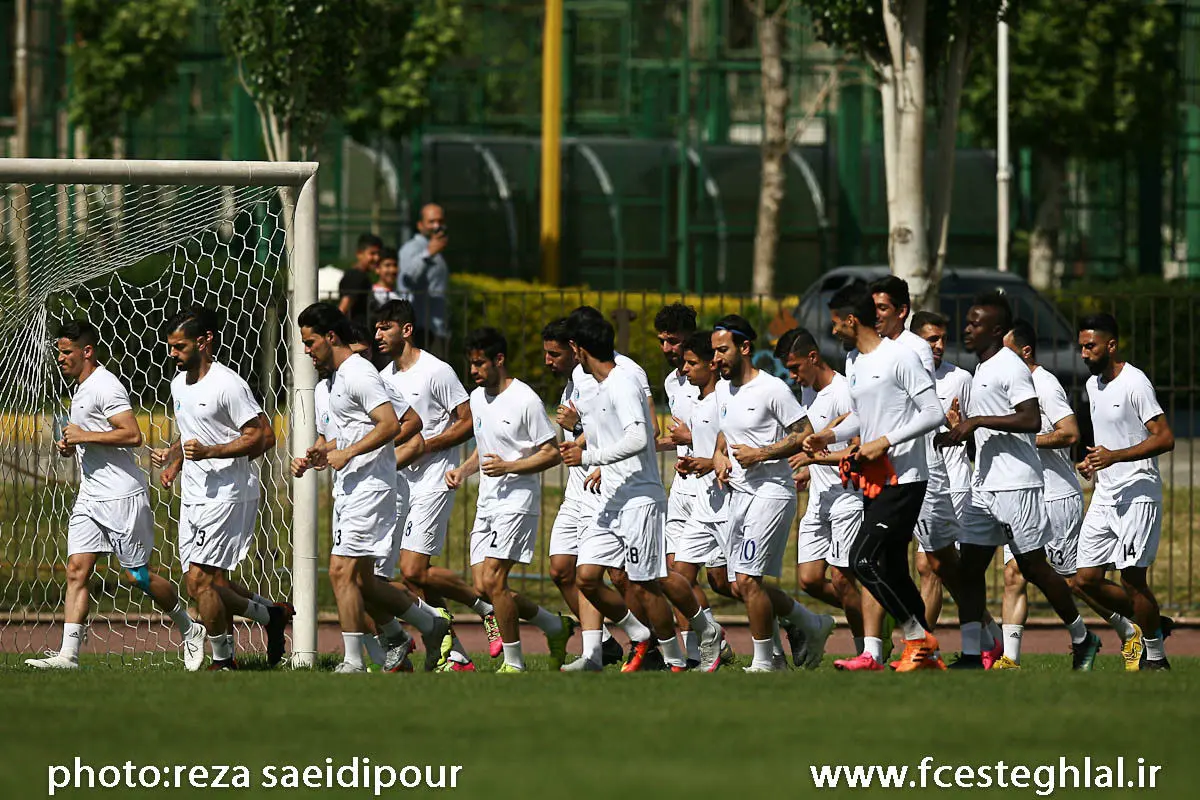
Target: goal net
125,245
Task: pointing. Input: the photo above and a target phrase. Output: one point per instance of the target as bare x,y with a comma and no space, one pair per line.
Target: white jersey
1058,471
512,425
823,408
939,479
705,424
758,414
357,391
884,384
620,403
321,409
575,475
581,393
1120,410
1004,461
920,347
954,383
434,391
106,472
681,396
213,410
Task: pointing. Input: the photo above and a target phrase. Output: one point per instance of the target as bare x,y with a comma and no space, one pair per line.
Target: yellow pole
551,138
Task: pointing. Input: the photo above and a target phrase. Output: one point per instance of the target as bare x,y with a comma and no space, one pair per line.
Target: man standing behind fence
424,277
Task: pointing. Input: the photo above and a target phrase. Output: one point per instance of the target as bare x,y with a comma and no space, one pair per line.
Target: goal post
128,242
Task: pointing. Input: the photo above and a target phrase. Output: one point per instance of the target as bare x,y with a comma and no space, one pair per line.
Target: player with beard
1124,521
1007,504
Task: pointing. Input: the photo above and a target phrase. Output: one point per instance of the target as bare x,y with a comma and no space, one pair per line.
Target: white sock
762,653
701,623
1154,649
633,627
1078,630
1012,642
374,650
804,619
591,646
691,644
971,633
547,623
391,628
604,633
72,639
353,645
257,612
1122,626
222,646
482,607
512,655
420,617
776,642
181,618
991,635
858,646
672,652
873,646
913,629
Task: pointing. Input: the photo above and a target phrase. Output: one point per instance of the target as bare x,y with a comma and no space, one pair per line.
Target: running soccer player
1124,521
112,510
1007,504
628,531
833,518
221,428
362,413
895,406
762,424
430,386
513,443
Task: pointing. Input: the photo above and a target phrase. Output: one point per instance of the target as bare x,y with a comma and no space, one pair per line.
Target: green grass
582,736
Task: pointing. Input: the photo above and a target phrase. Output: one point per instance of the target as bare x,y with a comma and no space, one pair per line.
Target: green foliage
123,58
1088,78
296,59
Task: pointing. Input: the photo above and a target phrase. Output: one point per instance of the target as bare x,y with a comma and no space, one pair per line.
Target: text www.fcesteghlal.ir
1044,779
357,773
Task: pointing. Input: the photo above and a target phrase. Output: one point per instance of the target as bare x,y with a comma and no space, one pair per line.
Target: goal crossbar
161,173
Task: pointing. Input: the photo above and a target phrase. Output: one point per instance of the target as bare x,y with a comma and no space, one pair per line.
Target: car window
958,294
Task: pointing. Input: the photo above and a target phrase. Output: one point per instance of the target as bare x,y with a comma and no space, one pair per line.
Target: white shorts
960,499
570,523
630,539
938,525
124,526
216,534
680,508
828,529
703,542
1066,517
363,526
1016,517
1124,536
508,537
758,533
427,523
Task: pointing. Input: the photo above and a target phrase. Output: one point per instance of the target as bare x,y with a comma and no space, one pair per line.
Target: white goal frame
300,177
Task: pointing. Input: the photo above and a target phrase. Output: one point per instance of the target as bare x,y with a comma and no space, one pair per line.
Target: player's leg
1016,609
562,572
201,587
493,576
931,587
1140,527
80,567
813,543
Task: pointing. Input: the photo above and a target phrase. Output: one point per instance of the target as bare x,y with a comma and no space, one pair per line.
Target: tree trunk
1043,243
947,132
887,103
774,151
908,247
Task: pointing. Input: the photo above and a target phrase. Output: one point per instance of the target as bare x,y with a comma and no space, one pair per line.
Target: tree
916,48
123,58
1092,79
771,17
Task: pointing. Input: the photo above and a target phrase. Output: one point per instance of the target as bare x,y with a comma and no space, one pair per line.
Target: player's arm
410,444
385,430
1026,418
789,445
678,435
1065,434
125,433
721,463
458,476
268,442
540,460
457,433
1161,440
929,417
249,441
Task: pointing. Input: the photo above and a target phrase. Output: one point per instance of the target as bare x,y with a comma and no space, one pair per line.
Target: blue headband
745,336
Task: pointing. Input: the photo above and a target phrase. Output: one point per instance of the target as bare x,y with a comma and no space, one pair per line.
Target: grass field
550,735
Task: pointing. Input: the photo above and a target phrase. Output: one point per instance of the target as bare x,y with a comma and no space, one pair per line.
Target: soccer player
833,518
674,323
762,424
628,531
579,504
112,510
895,406
221,428
513,443
1124,521
364,507
1007,493
430,386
